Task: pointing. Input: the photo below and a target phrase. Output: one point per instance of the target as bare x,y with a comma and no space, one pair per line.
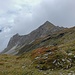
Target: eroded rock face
17,40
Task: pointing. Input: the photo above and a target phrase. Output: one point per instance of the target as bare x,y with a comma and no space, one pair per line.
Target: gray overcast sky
23,16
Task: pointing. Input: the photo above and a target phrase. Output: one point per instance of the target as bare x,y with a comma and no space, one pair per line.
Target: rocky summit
17,41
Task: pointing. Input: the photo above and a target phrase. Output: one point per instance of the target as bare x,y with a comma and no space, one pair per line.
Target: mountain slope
52,54
18,41
58,38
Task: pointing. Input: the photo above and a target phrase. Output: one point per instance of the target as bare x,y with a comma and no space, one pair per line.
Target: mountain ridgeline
17,41
48,50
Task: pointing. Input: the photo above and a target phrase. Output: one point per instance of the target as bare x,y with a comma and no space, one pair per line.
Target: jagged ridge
18,41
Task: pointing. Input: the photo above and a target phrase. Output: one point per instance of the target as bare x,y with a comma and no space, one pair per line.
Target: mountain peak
48,24
17,34
45,29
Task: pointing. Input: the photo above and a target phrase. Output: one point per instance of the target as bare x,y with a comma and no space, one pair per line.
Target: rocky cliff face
18,41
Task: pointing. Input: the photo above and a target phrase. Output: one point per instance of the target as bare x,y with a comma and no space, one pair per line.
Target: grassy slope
43,56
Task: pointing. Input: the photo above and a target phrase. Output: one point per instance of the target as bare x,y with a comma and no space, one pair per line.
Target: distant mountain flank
17,41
